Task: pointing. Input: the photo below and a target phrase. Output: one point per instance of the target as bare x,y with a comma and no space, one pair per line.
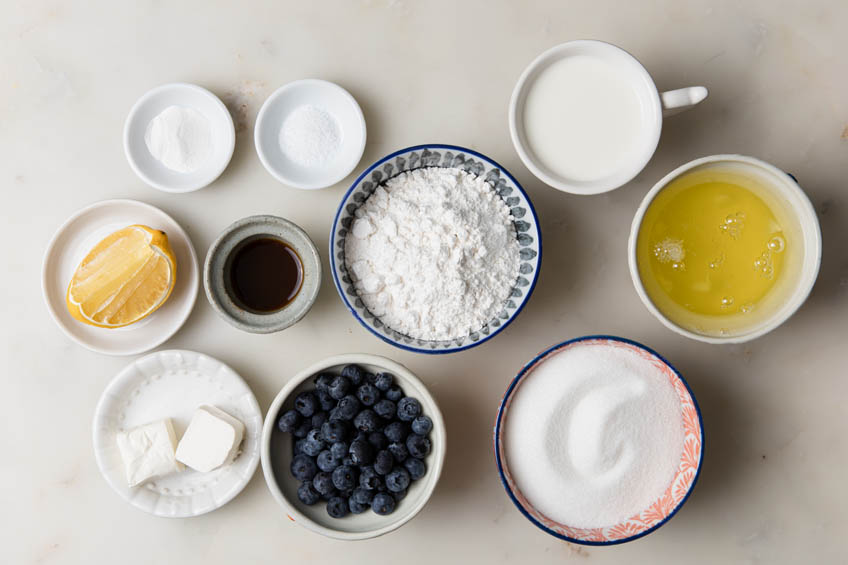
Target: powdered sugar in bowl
598,440
435,248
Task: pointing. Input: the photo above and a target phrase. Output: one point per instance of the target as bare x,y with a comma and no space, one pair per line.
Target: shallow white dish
339,103
187,95
74,240
277,454
172,384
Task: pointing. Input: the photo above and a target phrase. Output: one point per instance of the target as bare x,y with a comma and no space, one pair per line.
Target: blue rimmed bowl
525,221
663,508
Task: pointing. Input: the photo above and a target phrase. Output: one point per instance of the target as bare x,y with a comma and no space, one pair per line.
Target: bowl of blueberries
353,446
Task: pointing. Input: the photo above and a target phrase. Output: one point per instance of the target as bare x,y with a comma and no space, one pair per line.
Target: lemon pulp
123,279
709,249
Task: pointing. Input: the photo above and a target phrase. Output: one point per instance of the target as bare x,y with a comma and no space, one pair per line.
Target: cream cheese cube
211,440
148,451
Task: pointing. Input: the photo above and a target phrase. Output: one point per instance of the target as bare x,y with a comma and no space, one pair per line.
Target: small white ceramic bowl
151,105
790,202
277,454
336,101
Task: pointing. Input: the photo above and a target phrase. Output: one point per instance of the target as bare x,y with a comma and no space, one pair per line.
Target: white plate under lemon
108,251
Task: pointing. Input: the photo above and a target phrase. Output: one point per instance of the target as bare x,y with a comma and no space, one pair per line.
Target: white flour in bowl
433,253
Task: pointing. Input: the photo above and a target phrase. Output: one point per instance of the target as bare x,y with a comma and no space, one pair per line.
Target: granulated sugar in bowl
599,440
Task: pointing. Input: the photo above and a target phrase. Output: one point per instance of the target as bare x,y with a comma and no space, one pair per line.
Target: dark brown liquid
265,274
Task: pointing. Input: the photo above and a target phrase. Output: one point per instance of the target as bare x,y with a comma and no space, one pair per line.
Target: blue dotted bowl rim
335,227
497,439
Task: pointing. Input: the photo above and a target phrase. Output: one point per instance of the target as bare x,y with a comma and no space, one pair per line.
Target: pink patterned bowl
662,509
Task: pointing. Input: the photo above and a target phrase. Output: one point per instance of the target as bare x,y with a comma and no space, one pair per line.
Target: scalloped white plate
172,384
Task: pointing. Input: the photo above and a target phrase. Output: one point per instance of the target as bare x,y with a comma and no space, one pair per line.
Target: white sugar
593,435
310,136
433,253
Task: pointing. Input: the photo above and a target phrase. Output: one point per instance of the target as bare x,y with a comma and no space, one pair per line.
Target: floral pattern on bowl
662,509
448,156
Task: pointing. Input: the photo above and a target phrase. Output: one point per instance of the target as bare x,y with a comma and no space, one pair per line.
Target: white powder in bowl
310,136
179,138
433,253
593,435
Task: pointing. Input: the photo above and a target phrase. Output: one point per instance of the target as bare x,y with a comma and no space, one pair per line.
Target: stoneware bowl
447,156
339,103
277,454
657,513
148,107
217,264
796,214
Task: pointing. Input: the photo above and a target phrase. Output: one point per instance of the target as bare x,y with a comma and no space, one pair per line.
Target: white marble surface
773,488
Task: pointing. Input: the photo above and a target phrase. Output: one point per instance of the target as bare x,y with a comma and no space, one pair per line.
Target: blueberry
383,462
298,446
314,436
344,477
306,403
303,467
370,378
303,428
337,507
378,440
369,479
408,409
318,419
398,451
339,449
362,495
361,452
396,431
312,448
366,421
307,494
394,393
398,496
418,446
384,381
422,425
348,407
326,401
323,483
334,430
323,382
347,460
289,421
339,387
354,373
368,394
386,409
397,480
329,495
356,507
383,504
326,462
416,468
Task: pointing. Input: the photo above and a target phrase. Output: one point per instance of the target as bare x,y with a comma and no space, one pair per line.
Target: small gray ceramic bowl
218,287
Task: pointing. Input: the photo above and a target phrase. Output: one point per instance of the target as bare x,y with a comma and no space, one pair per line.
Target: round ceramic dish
172,384
661,510
326,95
786,195
148,107
447,156
72,242
217,284
277,455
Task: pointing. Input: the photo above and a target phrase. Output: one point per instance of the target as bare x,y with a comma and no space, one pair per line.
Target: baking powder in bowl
593,435
433,253
179,138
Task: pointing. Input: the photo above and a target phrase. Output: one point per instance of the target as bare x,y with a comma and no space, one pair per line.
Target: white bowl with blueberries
353,446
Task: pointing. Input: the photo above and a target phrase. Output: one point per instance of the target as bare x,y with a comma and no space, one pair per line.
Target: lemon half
123,279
